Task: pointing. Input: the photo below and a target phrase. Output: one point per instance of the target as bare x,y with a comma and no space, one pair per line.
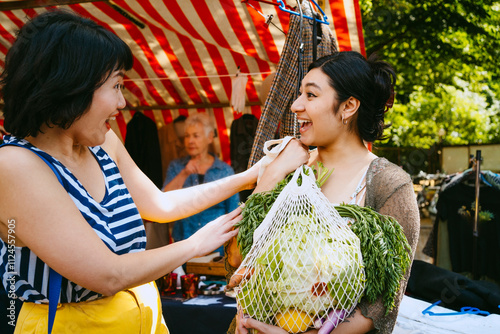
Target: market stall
465,231
188,53
190,57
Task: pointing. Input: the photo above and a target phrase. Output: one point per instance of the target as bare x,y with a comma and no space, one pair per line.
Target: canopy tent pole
13,5
475,233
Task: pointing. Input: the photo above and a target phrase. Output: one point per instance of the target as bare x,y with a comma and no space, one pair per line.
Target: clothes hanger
268,18
283,7
472,176
266,2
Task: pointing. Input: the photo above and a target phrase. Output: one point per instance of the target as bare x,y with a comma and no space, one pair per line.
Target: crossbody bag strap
55,279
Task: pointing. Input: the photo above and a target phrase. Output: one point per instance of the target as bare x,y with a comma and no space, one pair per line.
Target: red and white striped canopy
187,51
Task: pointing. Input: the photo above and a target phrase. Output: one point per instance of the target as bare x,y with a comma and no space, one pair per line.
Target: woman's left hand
216,233
292,157
244,324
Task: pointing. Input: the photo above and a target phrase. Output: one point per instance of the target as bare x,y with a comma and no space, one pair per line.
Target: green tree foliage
449,116
446,54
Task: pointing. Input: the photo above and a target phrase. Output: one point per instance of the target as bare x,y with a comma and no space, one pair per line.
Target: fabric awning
187,52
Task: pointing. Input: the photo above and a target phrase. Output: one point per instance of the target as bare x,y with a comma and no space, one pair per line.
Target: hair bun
384,79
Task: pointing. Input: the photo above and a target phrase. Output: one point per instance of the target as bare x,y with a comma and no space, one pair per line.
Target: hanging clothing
276,114
459,229
238,93
241,141
492,179
488,177
171,146
143,146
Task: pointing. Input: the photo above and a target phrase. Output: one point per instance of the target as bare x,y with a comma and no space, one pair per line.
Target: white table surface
411,320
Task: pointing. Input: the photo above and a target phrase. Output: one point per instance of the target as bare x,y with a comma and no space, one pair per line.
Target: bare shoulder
18,160
25,180
21,169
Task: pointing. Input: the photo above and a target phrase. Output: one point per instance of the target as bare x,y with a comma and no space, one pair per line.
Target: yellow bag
136,310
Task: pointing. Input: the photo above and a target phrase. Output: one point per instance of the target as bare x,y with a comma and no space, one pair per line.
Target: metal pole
475,233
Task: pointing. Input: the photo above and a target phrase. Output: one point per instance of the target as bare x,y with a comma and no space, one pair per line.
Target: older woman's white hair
203,119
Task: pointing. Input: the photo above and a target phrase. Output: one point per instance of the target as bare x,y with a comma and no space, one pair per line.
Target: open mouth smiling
304,125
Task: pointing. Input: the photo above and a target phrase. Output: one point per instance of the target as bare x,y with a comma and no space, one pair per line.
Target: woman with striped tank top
73,200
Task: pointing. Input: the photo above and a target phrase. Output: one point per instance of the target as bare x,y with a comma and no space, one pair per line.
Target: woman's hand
192,167
244,324
292,157
216,233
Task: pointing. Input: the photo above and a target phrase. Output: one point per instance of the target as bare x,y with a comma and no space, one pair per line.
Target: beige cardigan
389,191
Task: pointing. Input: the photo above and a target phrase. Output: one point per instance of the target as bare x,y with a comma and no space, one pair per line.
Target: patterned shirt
184,228
115,220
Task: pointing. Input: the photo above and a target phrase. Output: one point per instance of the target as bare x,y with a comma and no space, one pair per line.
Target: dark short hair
370,81
180,118
54,67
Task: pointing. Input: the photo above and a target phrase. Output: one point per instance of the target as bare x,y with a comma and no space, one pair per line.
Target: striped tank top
115,219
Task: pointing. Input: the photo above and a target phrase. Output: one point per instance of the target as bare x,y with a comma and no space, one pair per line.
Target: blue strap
55,278
463,310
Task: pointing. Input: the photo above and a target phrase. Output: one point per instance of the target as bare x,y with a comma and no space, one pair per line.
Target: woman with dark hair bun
341,106
370,82
72,198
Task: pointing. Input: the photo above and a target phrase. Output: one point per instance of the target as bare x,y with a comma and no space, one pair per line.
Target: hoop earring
344,121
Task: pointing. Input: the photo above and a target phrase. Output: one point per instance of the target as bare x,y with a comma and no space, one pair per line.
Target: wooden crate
209,268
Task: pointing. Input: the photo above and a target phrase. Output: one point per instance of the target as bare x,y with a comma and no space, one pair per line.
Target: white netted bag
305,266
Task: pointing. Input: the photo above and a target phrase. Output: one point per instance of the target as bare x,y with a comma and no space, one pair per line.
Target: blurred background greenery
446,54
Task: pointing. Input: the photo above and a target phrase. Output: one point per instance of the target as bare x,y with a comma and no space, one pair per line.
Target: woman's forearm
181,203
153,263
189,201
132,269
158,206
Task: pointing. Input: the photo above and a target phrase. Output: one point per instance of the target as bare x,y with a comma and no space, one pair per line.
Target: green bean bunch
385,250
258,205
256,208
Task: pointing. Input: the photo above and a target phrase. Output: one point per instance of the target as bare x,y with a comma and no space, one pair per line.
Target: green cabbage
289,265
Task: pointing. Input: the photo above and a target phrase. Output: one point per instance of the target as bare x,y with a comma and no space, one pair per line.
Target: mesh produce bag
305,267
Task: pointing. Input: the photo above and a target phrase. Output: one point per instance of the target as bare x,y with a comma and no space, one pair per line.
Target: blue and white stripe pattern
115,219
